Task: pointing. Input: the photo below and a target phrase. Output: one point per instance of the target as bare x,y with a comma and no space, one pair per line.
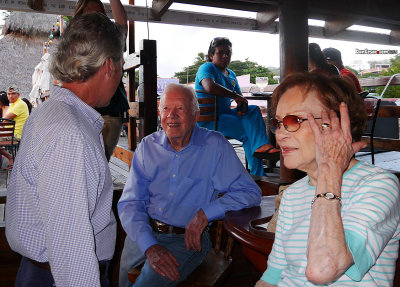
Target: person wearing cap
334,57
59,197
18,110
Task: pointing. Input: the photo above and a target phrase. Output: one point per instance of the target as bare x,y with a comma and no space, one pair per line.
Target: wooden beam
395,37
337,25
159,7
266,17
137,13
125,155
378,81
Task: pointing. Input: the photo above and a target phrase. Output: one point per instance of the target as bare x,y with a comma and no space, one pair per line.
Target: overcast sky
177,46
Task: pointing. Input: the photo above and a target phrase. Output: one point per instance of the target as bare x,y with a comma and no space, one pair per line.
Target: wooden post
293,41
148,85
131,84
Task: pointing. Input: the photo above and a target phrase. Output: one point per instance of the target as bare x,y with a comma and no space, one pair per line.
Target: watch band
326,195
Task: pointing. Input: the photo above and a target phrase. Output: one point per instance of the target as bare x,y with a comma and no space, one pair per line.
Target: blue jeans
188,260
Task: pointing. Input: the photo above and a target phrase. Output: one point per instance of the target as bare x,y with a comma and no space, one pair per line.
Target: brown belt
161,227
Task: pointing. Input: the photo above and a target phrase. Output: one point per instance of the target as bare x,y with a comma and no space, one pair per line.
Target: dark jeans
30,275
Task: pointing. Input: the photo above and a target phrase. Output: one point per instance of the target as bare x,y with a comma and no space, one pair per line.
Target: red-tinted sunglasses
290,122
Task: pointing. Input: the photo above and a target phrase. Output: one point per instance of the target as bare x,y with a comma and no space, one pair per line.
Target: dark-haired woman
215,79
318,64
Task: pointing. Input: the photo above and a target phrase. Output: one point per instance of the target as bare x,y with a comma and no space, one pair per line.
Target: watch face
329,195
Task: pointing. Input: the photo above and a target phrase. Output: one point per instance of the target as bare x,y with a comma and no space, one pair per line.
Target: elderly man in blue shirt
171,194
58,214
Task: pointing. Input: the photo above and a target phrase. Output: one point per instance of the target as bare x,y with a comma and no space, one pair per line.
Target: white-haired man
171,194
59,198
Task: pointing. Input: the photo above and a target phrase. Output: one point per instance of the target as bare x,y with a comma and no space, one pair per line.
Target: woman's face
222,56
298,148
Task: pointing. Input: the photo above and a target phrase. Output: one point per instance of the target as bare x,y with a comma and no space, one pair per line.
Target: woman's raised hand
333,140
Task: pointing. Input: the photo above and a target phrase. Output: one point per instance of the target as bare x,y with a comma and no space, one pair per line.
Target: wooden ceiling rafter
159,7
266,17
336,25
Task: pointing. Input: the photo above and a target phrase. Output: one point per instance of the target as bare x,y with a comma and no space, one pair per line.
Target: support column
131,84
148,85
293,41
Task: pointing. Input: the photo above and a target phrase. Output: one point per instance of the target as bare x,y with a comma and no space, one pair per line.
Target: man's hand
163,262
194,229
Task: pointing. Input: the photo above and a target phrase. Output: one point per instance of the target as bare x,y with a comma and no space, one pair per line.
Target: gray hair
189,91
88,41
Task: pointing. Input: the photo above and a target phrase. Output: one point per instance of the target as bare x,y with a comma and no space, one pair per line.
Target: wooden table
256,248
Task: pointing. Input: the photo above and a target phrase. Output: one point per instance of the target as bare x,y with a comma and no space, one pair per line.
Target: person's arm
135,219
10,116
213,88
328,255
64,202
119,13
233,181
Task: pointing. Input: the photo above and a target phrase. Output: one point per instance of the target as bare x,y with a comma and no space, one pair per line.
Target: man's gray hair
87,42
189,91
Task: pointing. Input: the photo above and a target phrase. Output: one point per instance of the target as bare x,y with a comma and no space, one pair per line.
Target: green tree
188,74
392,91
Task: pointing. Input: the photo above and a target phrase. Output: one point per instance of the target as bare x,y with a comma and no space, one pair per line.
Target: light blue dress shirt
173,186
60,192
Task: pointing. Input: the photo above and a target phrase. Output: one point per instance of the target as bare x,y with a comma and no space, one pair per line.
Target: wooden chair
7,140
208,113
7,137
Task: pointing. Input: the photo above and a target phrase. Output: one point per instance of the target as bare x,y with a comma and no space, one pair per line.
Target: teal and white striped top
370,215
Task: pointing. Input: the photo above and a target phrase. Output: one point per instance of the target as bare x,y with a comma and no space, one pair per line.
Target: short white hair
188,91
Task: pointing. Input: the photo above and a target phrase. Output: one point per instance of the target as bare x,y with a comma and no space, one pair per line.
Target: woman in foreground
339,225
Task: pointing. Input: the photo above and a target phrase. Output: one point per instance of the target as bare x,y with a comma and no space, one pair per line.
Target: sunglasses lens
291,123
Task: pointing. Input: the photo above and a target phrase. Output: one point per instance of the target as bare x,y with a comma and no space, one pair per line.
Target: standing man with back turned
58,214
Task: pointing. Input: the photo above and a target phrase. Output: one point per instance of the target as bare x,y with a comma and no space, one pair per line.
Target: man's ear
109,66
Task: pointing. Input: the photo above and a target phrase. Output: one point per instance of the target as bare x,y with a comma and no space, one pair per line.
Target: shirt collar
68,97
195,139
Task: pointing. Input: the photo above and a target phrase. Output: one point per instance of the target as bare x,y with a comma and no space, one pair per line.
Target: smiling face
298,148
177,117
222,56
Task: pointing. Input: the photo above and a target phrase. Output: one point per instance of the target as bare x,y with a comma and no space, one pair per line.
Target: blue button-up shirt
60,192
173,186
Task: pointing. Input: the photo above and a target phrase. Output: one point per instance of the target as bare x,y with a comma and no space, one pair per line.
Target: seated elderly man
171,194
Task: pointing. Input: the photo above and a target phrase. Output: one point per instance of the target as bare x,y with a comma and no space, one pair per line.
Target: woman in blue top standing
245,125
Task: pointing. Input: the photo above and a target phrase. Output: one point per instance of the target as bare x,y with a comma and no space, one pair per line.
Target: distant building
378,69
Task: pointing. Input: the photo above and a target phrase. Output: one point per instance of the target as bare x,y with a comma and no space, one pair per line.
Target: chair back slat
206,118
206,101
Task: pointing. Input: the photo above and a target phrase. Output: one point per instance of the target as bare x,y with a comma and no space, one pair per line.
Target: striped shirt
370,214
60,192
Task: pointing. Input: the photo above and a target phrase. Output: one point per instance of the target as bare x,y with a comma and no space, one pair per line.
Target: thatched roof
21,48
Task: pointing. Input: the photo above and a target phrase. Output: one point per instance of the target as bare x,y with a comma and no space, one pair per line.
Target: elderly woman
215,79
339,225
